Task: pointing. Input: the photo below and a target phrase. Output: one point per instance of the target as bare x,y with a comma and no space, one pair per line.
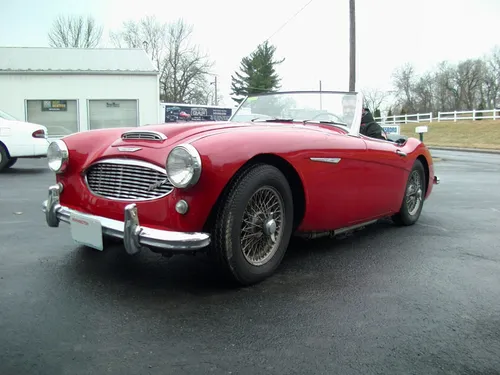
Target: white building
70,89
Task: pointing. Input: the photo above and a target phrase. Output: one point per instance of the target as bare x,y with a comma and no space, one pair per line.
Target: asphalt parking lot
387,300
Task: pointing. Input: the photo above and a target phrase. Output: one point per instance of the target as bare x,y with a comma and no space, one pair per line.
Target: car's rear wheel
253,224
4,157
413,200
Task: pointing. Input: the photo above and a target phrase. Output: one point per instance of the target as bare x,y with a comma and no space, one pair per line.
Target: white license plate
86,231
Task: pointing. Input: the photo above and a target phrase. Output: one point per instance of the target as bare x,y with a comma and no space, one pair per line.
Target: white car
19,139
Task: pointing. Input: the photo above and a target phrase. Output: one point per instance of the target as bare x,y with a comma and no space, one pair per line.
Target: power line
286,23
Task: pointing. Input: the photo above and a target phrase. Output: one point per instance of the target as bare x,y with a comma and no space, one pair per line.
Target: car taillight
38,134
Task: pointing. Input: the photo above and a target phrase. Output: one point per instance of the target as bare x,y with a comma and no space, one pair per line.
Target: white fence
486,114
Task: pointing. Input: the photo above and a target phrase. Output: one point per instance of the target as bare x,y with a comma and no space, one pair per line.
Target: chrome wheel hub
269,227
414,193
261,228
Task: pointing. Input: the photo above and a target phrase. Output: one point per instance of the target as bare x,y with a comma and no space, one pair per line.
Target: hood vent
148,135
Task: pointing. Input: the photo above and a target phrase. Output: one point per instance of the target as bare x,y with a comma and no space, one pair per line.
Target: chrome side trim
354,227
132,162
327,160
336,232
150,135
135,236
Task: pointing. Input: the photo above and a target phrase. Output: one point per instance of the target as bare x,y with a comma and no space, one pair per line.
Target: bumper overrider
135,237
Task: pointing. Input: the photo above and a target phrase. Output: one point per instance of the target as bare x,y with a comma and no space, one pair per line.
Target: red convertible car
288,163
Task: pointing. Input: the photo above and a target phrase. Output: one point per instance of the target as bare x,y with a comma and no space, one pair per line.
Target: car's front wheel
253,224
413,200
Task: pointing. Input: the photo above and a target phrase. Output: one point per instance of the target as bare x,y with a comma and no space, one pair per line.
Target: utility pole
352,46
215,86
320,97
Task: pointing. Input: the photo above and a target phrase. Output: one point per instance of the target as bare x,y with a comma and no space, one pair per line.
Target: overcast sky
315,43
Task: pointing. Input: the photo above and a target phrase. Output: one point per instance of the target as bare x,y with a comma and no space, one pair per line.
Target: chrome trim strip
160,136
327,160
135,236
131,162
129,149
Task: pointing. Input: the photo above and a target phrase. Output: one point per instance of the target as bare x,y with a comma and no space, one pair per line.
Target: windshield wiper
325,122
276,119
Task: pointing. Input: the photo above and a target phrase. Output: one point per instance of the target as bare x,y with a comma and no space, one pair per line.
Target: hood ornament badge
157,185
129,149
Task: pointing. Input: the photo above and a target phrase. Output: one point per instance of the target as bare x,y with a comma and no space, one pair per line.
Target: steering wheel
337,118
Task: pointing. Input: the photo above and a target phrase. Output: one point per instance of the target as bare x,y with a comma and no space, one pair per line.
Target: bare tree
468,80
183,68
492,79
75,32
404,81
469,84
374,99
424,92
186,67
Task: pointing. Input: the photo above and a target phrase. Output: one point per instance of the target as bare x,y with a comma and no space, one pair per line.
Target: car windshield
336,108
6,116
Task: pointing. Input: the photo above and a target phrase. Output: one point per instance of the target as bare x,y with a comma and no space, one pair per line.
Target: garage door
112,113
59,116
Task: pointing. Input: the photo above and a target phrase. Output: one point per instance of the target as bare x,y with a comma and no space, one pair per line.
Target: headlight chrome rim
62,149
197,166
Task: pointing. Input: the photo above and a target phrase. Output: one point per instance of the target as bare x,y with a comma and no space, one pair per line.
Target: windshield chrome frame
353,130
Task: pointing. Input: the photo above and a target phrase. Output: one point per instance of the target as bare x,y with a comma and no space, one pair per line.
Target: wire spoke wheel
414,193
262,225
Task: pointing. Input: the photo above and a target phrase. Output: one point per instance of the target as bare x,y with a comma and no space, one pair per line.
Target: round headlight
57,156
183,166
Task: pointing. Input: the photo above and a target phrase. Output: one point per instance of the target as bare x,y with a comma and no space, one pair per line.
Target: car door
385,175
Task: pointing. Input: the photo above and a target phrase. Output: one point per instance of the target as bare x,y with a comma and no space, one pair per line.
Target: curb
476,150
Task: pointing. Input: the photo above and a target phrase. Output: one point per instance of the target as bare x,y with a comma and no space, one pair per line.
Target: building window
59,116
112,113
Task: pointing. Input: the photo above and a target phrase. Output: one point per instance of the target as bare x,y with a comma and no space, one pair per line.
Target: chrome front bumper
135,237
436,180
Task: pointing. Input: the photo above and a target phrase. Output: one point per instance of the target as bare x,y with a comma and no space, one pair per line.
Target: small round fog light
181,207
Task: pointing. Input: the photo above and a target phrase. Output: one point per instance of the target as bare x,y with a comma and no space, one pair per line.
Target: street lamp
215,89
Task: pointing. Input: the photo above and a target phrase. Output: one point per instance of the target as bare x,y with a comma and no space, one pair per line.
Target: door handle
401,153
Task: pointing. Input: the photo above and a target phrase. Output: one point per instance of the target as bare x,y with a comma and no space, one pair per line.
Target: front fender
223,154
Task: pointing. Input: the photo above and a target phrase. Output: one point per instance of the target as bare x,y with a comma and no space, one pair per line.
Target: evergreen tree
258,73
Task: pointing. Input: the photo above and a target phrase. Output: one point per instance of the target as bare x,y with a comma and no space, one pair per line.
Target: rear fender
416,150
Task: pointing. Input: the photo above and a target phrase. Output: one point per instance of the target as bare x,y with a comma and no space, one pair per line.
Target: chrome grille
144,134
123,179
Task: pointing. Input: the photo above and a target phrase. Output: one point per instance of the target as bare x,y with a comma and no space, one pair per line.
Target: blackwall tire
413,199
11,162
253,225
4,158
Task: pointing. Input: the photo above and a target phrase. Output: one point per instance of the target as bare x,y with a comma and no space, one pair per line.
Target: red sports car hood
177,132
86,147
181,132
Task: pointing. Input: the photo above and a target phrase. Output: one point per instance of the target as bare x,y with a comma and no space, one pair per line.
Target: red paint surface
368,182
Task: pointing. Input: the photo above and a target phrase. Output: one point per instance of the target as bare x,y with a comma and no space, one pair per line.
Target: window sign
54,105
